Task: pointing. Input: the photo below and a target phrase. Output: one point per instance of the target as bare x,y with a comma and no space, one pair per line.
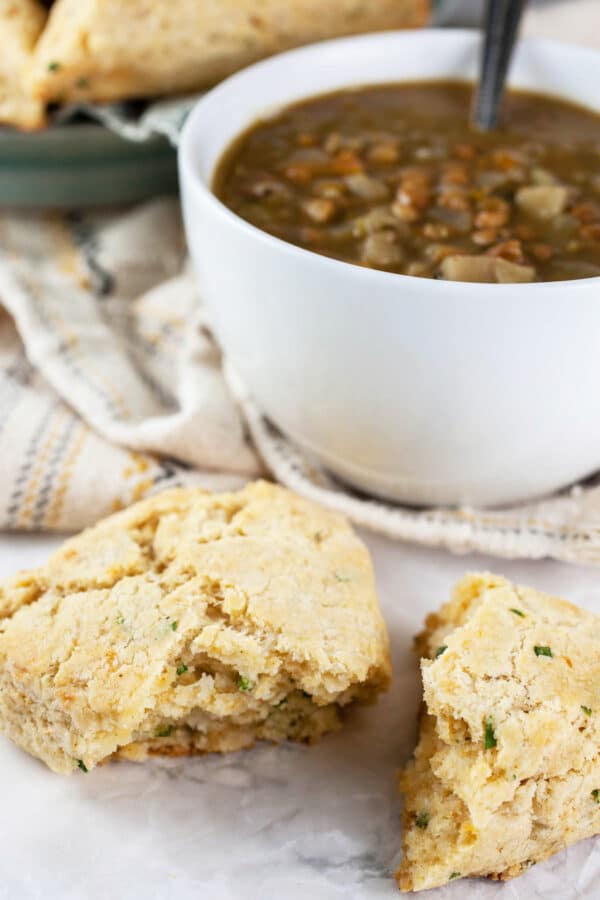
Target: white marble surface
274,823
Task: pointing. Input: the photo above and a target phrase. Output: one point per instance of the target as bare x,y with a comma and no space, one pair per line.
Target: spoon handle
502,20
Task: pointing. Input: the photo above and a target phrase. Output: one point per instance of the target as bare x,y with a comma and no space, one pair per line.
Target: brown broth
393,177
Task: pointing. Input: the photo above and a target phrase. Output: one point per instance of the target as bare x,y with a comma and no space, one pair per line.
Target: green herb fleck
440,650
517,612
342,578
281,703
587,710
596,795
81,765
244,683
182,669
542,651
166,731
490,736
53,66
120,620
173,626
82,83
454,875
422,820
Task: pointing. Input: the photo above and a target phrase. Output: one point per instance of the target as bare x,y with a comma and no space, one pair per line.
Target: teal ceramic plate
82,164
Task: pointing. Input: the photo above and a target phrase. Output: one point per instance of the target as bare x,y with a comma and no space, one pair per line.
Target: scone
21,23
109,50
191,622
507,769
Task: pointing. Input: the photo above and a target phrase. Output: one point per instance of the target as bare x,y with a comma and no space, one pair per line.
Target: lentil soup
393,177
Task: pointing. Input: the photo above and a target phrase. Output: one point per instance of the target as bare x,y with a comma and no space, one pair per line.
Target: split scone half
191,622
103,50
21,23
507,769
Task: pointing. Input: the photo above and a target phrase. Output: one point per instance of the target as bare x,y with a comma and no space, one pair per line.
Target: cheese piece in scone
21,23
109,49
191,622
507,770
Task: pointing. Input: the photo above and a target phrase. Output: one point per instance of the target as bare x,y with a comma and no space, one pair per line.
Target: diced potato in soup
542,201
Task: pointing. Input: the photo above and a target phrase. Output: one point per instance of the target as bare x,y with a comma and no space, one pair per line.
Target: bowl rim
191,177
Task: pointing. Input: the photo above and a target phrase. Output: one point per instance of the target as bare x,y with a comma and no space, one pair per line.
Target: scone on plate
21,23
191,622
507,769
109,50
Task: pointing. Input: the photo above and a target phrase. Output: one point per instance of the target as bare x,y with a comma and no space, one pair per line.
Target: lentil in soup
393,177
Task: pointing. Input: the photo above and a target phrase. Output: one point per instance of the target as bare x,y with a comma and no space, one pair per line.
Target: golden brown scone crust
104,50
472,809
21,23
191,622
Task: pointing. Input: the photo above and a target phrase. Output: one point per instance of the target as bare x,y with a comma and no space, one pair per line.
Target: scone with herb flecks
97,50
191,622
507,769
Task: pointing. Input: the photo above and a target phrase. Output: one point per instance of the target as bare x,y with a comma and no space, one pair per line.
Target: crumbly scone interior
186,626
510,750
491,676
441,843
225,696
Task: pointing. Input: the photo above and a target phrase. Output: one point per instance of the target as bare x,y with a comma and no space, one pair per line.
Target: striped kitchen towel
110,385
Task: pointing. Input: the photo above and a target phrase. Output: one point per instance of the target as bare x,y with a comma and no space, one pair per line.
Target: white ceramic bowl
419,390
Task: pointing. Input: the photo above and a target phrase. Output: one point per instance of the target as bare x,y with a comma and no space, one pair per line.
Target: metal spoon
502,18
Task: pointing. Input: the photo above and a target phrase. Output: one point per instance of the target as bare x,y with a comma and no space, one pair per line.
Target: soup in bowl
337,228
393,177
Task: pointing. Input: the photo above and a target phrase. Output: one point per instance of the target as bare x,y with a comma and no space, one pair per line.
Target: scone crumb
191,623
